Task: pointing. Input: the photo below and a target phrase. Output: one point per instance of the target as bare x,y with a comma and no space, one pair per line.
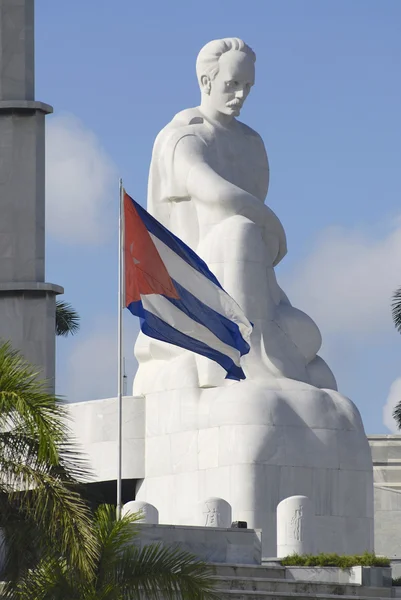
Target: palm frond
396,314
56,507
155,571
164,573
19,531
123,571
397,415
35,418
114,535
396,309
48,581
40,466
67,319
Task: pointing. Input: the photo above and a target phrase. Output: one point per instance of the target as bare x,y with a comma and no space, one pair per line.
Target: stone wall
386,456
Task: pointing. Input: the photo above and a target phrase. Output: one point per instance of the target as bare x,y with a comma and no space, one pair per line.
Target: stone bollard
150,514
295,526
214,512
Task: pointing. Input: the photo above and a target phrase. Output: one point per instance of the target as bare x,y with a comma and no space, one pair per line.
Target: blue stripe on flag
227,331
173,242
157,328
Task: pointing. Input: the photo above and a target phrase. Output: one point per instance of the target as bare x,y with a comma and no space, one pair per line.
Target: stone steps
251,595
254,582
283,586
258,571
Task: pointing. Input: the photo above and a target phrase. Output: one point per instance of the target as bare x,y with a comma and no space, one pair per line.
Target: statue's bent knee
236,239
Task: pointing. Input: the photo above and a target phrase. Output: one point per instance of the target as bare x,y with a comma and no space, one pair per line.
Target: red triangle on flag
145,272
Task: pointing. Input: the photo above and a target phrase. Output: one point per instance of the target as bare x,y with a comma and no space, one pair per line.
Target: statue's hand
272,230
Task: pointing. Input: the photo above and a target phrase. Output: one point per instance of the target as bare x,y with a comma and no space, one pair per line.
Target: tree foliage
67,319
396,309
124,570
343,561
40,468
396,313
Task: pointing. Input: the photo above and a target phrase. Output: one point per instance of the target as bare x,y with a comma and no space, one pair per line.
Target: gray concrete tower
27,303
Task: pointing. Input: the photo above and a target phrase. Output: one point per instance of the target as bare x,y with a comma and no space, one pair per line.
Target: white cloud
90,369
393,399
347,281
80,183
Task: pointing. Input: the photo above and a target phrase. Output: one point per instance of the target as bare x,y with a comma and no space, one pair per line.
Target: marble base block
254,447
210,544
95,423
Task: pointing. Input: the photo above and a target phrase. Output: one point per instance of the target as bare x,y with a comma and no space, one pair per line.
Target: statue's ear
205,84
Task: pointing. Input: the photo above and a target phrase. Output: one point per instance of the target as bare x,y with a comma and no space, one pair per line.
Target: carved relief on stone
296,523
214,512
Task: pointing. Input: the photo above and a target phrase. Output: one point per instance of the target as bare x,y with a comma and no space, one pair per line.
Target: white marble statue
208,183
285,430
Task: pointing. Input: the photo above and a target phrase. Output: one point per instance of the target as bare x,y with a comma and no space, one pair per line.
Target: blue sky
327,104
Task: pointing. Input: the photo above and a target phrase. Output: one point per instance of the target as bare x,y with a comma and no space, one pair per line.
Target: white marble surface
208,181
254,447
285,430
388,521
211,544
364,576
94,425
386,455
147,512
213,512
295,526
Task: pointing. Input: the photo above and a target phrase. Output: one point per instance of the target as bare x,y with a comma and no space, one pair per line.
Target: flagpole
120,345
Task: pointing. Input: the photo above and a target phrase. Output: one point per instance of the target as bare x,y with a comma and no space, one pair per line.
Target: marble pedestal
210,544
253,447
94,425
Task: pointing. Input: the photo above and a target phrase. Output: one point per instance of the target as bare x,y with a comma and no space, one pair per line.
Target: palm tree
123,570
396,309
396,313
40,469
67,319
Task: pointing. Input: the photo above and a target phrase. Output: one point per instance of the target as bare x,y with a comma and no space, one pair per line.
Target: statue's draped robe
284,339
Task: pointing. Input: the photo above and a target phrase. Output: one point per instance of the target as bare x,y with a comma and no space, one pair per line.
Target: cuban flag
175,295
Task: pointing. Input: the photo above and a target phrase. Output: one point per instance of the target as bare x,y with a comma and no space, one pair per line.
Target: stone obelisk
27,303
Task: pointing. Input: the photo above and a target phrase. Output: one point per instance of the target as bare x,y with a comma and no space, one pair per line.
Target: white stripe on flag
202,288
166,311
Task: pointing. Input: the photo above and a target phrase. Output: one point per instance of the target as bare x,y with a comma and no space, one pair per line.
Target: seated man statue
284,430
208,182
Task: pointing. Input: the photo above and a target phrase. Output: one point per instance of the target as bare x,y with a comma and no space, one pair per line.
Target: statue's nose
240,93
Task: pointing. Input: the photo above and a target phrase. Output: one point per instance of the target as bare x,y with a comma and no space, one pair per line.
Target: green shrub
396,581
335,560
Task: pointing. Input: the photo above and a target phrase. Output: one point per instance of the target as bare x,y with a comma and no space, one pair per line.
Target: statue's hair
207,62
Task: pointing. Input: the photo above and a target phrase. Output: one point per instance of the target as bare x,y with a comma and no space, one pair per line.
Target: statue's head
226,72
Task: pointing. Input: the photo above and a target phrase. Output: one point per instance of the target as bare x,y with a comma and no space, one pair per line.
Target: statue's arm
207,187
223,199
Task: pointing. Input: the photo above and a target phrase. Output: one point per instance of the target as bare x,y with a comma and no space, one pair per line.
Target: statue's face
232,84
